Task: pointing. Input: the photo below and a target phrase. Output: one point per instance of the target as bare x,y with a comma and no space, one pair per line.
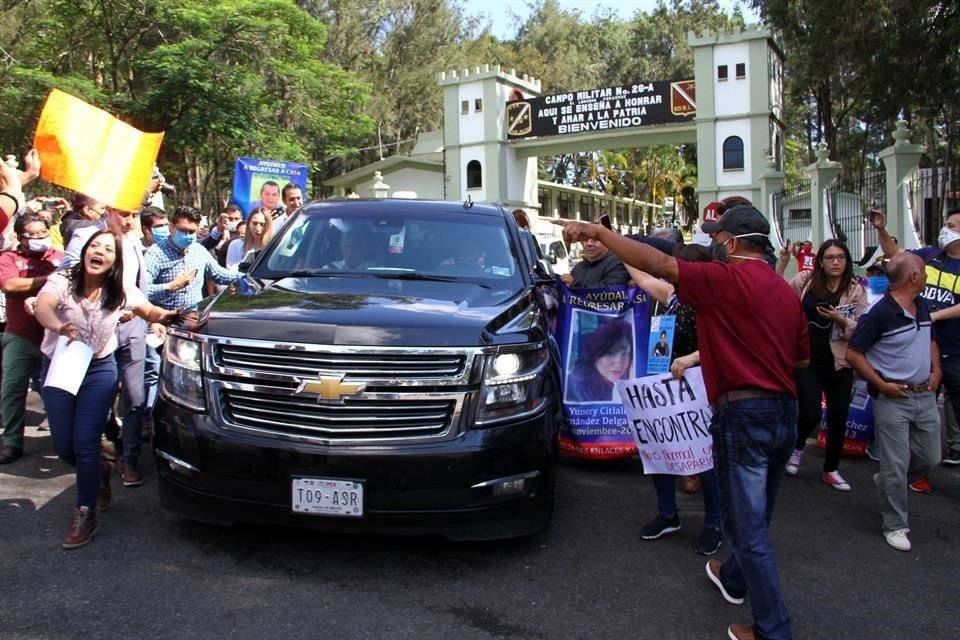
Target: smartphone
605,221
824,305
51,204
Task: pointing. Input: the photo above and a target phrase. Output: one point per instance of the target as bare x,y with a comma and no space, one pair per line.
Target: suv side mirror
542,268
250,258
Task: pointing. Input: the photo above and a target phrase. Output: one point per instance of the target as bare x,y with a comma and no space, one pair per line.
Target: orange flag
86,149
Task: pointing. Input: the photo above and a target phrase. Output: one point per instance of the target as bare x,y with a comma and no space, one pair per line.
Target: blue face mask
160,233
878,284
184,240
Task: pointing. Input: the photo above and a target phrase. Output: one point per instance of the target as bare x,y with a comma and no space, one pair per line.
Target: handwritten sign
85,149
670,422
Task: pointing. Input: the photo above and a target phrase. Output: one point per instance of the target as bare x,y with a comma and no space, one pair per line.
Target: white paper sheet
68,366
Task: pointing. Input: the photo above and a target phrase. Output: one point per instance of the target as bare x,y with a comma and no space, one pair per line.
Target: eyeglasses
40,235
834,258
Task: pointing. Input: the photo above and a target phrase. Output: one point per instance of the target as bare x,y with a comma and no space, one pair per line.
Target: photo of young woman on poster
606,356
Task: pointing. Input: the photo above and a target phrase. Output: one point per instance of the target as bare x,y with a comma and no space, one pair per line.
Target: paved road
150,575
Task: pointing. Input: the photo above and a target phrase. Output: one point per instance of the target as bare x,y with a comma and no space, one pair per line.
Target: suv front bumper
218,475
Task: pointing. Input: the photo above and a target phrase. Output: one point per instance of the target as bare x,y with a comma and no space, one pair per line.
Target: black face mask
718,251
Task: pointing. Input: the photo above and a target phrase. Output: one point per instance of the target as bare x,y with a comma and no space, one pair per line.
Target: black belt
744,394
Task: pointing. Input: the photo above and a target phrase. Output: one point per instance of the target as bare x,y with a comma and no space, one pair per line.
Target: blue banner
250,176
603,337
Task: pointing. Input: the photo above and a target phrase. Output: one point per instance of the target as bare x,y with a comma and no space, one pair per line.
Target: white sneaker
835,480
793,464
898,539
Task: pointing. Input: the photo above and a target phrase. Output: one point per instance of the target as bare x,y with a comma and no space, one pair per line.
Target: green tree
221,78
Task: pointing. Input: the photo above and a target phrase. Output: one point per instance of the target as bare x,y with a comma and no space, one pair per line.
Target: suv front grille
300,363
353,419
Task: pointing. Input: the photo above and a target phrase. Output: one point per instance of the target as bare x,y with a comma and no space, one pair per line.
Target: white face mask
948,236
232,225
39,245
744,235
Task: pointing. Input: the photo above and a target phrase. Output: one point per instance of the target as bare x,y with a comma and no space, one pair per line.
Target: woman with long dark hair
86,305
606,357
833,301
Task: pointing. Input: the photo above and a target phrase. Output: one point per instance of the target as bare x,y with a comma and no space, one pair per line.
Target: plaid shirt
165,262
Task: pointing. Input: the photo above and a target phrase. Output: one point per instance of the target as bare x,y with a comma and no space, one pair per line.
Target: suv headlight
182,377
512,383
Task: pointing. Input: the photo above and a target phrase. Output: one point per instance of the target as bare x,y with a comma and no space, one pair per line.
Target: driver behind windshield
353,252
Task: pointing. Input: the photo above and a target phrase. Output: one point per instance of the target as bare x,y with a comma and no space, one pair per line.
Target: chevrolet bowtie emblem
330,387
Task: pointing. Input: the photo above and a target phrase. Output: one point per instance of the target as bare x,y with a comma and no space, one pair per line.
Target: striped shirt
896,344
165,262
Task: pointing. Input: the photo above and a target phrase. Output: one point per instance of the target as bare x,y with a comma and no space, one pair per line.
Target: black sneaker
709,542
659,526
10,454
952,458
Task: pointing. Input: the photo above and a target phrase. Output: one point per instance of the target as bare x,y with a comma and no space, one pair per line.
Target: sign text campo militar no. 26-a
605,109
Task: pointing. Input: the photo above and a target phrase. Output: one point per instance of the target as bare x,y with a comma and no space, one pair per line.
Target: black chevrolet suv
385,367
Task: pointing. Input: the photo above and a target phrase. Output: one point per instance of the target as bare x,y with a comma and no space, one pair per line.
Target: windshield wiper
306,273
426,277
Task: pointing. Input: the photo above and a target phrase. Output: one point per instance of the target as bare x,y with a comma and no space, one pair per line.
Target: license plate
327,497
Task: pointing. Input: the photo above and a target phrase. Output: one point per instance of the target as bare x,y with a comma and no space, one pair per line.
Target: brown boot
104,493
82,528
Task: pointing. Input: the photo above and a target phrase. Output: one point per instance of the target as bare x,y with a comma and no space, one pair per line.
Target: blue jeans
752,441
76,423
666,486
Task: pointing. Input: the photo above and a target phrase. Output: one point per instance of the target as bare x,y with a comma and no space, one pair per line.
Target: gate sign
634,105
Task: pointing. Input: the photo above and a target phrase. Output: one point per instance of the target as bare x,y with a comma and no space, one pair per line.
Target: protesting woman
85,305
258,234
685,354
833,302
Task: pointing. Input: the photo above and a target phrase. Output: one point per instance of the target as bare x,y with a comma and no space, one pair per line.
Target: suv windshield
438,244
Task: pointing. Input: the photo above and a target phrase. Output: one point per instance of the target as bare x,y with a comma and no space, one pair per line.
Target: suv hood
361,311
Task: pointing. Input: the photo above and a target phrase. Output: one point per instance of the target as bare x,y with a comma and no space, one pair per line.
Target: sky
507,15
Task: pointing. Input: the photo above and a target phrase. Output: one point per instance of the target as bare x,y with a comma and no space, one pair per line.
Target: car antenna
468,204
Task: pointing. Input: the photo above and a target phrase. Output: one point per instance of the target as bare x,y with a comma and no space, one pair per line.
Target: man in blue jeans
752,335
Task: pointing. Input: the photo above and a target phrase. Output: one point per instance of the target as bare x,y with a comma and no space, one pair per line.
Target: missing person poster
860,425
259,183
602,334
669,419
660,347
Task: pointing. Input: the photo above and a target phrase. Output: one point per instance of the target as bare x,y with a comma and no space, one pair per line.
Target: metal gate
848,200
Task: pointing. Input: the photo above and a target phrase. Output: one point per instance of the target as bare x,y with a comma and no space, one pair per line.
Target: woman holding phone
85,304
833,302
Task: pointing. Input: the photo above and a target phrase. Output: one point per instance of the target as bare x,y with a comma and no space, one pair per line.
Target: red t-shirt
21,264
750,325
805,260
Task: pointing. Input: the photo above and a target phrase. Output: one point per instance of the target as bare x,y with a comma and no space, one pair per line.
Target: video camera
166,188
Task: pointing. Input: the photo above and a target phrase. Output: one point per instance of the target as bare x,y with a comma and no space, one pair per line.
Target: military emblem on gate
519,118
683,98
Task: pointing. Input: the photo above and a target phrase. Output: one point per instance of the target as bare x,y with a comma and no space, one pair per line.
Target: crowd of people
771,348
82,272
